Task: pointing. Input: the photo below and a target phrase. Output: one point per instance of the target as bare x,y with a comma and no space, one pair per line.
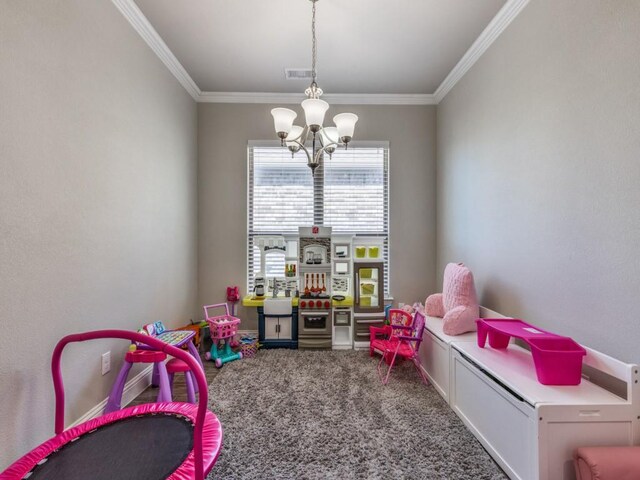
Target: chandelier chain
323,139
313,43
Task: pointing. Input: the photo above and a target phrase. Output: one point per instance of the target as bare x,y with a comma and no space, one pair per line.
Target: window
350,193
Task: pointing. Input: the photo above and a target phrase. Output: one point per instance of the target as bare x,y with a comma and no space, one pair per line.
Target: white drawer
434,357
500,420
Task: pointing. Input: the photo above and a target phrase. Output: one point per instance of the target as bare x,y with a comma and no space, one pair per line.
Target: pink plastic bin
558,360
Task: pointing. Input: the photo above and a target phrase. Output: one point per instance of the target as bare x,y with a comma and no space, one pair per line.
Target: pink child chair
405,347
380,336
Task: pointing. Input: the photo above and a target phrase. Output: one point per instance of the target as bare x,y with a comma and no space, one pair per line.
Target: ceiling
364,46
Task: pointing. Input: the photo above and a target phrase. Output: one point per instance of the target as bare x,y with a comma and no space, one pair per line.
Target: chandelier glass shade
323,139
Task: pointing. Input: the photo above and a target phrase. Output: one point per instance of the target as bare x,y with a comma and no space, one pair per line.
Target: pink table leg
115,396
154,376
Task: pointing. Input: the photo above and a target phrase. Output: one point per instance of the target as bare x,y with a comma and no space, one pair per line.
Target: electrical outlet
106,362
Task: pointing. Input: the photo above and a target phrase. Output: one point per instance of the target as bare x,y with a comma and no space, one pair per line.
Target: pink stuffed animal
458,304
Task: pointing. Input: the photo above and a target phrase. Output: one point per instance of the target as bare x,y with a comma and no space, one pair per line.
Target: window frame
318,206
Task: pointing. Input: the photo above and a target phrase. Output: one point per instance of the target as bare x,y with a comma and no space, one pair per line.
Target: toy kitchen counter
292,322
277,320
253,301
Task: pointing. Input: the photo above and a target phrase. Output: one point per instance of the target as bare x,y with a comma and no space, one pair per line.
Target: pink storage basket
558,360
221,326
248,347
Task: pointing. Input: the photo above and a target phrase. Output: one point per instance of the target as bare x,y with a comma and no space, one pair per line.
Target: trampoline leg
164,395
115,396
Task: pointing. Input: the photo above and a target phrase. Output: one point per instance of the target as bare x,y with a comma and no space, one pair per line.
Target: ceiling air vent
297,73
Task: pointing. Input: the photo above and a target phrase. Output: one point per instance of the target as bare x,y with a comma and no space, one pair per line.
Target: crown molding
334,99
498,24
141,25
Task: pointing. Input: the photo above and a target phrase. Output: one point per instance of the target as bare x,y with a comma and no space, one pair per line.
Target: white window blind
355,191
350,193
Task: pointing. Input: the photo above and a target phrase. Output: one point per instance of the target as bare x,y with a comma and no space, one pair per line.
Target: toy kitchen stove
314,314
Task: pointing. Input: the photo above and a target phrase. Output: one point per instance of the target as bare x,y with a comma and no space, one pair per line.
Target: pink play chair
399,321
404,346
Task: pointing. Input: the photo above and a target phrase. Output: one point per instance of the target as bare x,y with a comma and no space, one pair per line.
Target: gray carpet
325,414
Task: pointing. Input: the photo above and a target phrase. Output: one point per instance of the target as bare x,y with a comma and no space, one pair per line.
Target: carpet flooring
291,414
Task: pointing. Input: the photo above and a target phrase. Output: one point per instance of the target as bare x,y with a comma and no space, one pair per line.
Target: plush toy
408,308
457,305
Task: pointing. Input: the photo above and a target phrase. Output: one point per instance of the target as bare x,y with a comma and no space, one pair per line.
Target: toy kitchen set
330,293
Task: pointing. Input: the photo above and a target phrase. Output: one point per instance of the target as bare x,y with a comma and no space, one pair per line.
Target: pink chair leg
191,395
164,395
379,367
393,360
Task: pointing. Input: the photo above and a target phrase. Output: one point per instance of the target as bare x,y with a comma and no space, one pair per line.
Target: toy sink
278,306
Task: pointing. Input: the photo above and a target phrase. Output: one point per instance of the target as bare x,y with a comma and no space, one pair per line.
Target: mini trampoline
156,441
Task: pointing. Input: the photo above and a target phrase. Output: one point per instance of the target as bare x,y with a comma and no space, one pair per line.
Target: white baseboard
360,345
132,389
248,332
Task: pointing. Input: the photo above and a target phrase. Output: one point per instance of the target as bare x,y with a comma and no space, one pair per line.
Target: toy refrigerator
368,287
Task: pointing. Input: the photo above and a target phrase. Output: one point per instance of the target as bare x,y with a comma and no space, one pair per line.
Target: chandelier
323,139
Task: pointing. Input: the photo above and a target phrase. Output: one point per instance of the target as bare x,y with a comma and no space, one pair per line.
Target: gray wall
539,169
98,205
222,185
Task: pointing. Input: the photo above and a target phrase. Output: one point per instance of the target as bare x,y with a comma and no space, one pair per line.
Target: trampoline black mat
149,447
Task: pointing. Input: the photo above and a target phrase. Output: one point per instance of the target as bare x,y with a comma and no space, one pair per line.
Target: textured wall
224,131
538,171
98,157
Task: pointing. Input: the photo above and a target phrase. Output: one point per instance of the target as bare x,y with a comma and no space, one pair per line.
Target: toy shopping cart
222,329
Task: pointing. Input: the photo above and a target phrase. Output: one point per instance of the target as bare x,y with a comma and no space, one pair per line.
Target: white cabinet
271,328
435,354
342,325
503,422
434,358
530,429
277,328
284,328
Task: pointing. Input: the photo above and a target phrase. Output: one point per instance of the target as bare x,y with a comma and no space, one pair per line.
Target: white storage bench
531,430
435,354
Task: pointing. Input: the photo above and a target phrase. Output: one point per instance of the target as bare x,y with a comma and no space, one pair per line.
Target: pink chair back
418,327
400,318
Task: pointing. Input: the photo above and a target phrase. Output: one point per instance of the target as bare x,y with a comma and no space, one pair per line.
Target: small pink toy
558,360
